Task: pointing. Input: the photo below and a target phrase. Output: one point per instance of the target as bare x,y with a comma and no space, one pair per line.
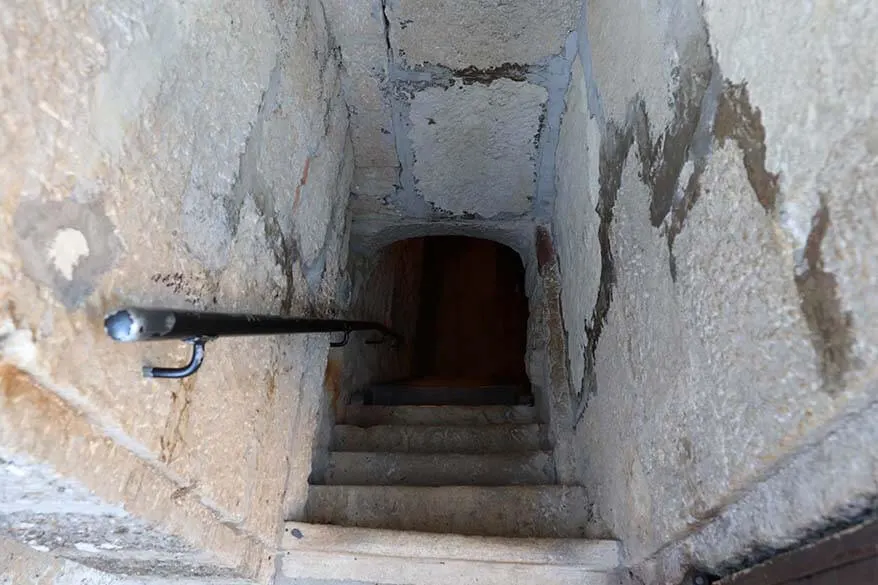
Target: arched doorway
468,341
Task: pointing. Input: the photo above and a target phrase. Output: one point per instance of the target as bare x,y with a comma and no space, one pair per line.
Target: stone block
484,34
475,146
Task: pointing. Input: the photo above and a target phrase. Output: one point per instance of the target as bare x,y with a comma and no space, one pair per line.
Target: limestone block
475,146
483,34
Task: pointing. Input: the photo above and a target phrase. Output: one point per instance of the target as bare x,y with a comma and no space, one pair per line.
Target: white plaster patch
474,146
66,249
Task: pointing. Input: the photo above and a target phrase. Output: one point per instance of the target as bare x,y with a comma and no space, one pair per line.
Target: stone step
415,469
497,438
548,511
332,553
463,416
436,395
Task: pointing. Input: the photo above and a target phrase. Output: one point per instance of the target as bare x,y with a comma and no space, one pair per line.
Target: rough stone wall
455,111
188,154
22,565
712,225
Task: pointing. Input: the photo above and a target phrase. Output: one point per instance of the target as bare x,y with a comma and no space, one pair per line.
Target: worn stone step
416,469
333,553
436,395
368,416
516,511
499,438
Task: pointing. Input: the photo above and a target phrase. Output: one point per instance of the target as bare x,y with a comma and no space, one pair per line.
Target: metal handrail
197,327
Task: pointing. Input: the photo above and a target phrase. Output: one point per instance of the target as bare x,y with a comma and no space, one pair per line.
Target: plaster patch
65,250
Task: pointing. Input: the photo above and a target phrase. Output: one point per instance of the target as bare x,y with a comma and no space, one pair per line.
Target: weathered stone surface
814,96
486,134
484,34
736,330
515,511
575,223
699,365
437,469
160,155
359,30
637,52
419,439
829,483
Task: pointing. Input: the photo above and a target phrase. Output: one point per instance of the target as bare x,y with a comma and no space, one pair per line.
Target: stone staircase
438,494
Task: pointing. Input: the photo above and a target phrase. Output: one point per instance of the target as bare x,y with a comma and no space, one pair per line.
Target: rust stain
35,410
831,328
545,248
332,382
172,439
17,386
302,181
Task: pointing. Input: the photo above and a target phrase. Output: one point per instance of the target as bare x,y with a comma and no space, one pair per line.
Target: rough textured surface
424,439
438,415
576,218
727,340
589,554
517,511
418,469
186,154
478,33
709,265
439,568
22,565
440,141
486,134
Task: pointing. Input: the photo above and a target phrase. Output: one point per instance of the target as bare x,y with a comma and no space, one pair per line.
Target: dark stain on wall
738,120
38,223
663,160
544,247
614,150
513,71
687,138
831,328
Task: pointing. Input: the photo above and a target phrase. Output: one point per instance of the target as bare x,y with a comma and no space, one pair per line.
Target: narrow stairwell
424,494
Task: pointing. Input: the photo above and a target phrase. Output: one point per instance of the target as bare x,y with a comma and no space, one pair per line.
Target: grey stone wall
718,275
189,154
455,112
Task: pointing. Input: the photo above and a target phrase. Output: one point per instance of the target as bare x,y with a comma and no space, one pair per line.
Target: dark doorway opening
470,334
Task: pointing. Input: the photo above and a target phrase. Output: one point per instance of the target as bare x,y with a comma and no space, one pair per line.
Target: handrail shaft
142,324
